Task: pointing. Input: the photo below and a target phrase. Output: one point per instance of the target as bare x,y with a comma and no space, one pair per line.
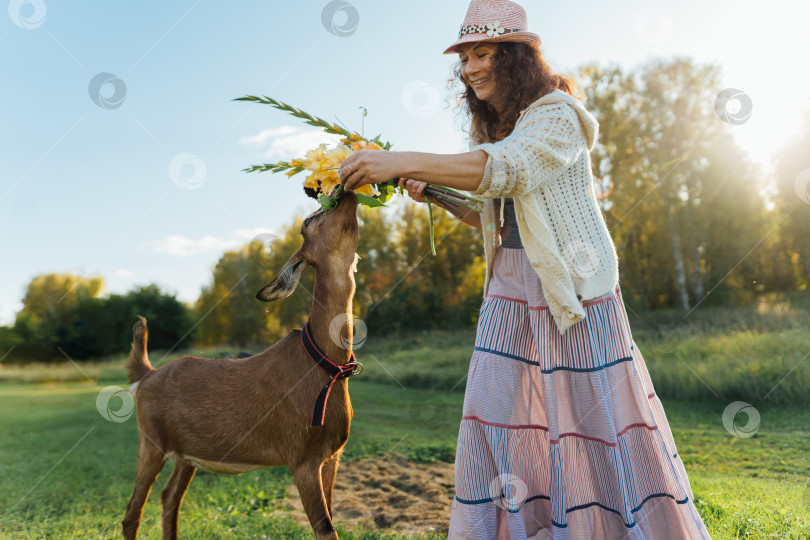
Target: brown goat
234,416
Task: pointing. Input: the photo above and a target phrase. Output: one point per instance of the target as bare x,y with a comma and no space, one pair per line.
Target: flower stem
457,193
430,218
432,190
454,202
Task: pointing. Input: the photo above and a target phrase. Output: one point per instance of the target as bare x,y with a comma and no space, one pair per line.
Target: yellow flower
315,158
311,182
329,182
322,175
334,157
368,189
365,145
324,165
353,137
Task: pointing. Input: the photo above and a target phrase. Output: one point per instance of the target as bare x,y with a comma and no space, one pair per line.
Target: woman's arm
457,171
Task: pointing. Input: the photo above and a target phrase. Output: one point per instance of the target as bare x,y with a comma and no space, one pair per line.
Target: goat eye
307,221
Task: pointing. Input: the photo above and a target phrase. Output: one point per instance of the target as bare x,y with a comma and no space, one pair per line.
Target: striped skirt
562,436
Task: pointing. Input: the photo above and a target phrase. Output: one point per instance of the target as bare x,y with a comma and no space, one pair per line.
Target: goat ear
285,281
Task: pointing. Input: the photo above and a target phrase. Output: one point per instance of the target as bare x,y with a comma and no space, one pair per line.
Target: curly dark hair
522,77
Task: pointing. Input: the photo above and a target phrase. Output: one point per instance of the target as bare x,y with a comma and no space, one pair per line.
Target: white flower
494,29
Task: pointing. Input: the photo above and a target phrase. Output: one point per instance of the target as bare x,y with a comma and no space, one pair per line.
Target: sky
121,149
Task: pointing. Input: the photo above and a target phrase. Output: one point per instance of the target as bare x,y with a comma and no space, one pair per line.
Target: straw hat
494,20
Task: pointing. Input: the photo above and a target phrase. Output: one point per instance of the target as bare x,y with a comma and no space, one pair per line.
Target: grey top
510,235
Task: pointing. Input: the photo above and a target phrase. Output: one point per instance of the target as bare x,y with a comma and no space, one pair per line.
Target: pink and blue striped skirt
562,436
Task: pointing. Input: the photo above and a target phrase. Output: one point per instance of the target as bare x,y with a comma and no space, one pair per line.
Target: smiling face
478,69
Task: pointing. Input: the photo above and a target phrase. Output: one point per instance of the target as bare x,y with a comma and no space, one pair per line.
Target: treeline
693,219
691,215
64,317
400,285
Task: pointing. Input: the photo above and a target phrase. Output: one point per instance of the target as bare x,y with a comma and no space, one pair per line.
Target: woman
562,435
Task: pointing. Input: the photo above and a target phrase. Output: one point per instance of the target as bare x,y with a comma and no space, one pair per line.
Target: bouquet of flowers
323,163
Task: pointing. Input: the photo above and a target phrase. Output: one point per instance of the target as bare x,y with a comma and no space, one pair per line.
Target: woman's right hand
414,188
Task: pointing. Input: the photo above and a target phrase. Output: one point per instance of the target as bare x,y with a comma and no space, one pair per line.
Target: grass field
68,473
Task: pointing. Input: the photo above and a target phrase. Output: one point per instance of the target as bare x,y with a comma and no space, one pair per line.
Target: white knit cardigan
545,165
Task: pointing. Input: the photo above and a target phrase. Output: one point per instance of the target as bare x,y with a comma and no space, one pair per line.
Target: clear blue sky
87,189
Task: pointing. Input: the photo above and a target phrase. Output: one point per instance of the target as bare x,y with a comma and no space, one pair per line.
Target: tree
49,313
429,292
792,206
680,180
228,311
399,284
63,315
104,325
380,264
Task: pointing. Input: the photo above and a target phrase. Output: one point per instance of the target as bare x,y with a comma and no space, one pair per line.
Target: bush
98,327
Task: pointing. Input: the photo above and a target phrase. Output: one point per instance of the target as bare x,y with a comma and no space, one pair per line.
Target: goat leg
150,462
310,488
328,474
172,496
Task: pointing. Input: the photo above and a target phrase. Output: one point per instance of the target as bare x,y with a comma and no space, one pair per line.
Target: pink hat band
494,20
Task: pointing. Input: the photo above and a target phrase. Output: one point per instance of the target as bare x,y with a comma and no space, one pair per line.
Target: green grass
759,354
66,472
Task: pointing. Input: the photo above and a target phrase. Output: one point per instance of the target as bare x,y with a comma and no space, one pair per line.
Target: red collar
334,371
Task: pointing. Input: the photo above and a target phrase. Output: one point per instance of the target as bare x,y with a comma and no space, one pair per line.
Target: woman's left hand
369,167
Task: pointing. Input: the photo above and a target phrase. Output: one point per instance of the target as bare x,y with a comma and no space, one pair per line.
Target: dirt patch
391,493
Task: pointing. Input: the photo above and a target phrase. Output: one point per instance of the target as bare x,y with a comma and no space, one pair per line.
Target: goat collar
334,371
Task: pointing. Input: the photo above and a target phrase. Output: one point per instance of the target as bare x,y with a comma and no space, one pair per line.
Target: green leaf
386,191
327,203
366,200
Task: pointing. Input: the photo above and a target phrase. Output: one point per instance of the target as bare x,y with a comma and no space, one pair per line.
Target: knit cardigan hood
544,165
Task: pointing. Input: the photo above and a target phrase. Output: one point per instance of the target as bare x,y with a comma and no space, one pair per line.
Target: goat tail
138,364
